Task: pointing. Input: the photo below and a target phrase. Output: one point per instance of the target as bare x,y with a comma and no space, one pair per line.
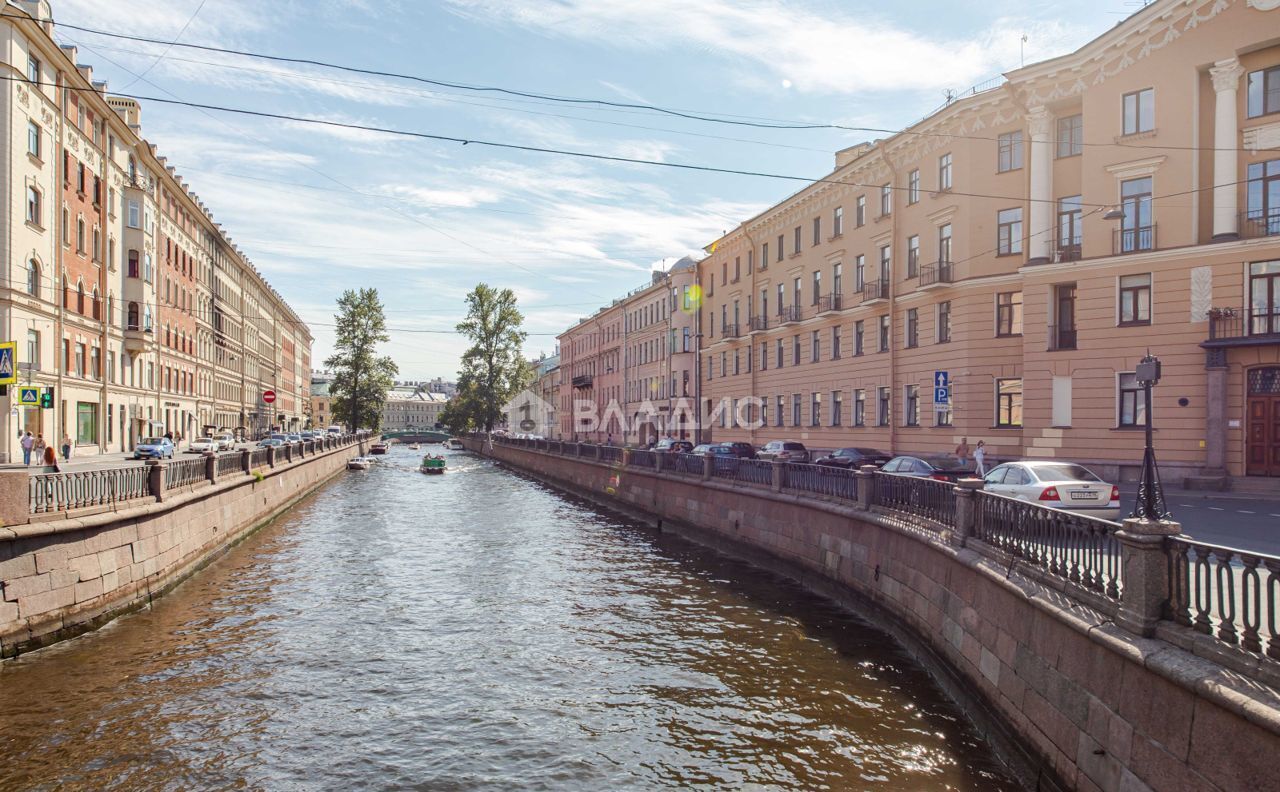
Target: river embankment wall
65,573
1083,703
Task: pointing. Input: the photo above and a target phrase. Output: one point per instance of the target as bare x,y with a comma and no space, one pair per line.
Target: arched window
97,304
66,292
80,298
33,278
133,317
133,263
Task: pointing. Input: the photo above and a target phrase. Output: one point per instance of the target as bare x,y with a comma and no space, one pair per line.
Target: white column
1040,237
1226,137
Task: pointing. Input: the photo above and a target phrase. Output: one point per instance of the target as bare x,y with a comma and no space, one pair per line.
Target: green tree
493,368
361,378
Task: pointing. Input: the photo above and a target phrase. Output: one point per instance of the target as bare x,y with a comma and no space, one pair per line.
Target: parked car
786,450
334,430
270,442
154,448
1058,485
202,445
226,441
719,449
854,458
669,445
939,468
293,437
740,450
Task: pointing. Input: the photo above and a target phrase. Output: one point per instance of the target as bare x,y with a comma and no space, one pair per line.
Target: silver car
1058,485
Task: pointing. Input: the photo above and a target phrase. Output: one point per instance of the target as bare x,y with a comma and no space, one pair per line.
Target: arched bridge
417,436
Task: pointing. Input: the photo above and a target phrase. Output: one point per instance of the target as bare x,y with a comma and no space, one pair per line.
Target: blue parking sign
941,395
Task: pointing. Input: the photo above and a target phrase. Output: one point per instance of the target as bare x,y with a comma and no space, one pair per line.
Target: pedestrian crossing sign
9,363
29,396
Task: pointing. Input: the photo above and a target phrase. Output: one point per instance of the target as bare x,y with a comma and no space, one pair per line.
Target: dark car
669,445
739,450
785,450
718,449
939,468
854,458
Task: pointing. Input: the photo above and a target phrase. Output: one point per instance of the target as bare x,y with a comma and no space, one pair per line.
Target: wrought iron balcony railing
830,302
1134,240
1255,223
790,313
1061,338
936,274
1245,324
875,290
759,323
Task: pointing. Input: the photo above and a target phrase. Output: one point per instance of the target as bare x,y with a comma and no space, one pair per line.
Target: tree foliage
361,378
493,368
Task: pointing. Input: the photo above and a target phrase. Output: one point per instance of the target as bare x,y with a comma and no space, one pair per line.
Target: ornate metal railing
790,313
820,480
1081,549
608,453
1256,223
922,497
935,273
1132,240
228,464
688,464
1227,593
875,290
754,471
258,458
830,302
55,492
759,322
184,472
641,457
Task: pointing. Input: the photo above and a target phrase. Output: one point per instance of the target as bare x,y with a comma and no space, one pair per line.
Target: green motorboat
432,465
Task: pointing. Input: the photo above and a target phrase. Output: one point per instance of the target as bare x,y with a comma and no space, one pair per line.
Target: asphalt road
1245,522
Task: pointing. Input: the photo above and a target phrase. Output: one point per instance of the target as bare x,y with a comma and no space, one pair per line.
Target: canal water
480,631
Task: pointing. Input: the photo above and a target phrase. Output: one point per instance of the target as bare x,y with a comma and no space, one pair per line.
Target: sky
321,209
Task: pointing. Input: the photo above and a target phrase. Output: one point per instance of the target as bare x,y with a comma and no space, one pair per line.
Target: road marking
1215,508
1242,511
1186,506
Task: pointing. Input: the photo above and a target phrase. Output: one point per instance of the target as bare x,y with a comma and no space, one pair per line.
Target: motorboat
432,465
378,448
359,463
415,447
454,444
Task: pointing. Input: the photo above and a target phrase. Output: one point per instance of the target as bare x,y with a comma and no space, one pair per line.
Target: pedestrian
51,459
980,456
962,451
609,439
37,449
66,447
26,443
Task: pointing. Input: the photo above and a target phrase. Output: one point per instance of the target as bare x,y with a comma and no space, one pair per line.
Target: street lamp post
1150,503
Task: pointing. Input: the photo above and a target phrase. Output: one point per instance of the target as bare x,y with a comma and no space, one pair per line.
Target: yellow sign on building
9,363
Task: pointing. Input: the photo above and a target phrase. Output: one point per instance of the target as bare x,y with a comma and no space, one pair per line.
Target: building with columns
123,294
1031,240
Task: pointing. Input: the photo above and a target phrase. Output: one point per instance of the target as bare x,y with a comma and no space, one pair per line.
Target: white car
202,445
226,442
1058,485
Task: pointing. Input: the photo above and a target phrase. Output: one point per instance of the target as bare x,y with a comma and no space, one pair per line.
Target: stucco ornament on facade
1264,5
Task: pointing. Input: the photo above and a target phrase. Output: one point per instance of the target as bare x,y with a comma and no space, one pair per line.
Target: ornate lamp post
1150,503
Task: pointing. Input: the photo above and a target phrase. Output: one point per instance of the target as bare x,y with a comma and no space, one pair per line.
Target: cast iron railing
1078,548
754,471
55,492
1132,240
228,464
1256,223
642,458
1227,593
820,480
922,497
183,472
875,290
935,273
688,464
258,457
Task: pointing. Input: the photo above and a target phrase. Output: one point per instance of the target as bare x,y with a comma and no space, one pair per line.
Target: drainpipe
751,344
893,297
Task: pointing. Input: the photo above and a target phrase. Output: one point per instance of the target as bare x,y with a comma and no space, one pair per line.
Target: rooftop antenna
1022,49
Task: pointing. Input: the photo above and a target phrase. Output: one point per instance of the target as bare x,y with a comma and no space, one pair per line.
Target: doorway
1262,444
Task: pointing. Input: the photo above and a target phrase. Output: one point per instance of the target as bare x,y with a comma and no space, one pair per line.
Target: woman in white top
980,456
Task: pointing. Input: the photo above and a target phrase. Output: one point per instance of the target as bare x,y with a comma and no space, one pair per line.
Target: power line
162,55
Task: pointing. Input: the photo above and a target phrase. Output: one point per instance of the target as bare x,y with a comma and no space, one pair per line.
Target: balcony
1256,223
1061,338
875,291
731,331
789,314
583,381
759,323
1066,251
939,273
1134,240
1230,327
830,302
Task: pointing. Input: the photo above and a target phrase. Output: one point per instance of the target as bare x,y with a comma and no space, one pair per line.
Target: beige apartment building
122,293
633,365
1032,240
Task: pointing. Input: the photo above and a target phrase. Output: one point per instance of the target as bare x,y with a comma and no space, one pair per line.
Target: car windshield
947,463
152,440
1064,472
793,446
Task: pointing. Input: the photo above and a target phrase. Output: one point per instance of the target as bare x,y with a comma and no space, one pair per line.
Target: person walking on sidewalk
66,447
962,451
37,449
980,457
26,443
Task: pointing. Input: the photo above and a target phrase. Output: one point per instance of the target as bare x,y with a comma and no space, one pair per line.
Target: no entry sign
269,397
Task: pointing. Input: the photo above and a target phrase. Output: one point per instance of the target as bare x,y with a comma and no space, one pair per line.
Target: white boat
454,444
414,447
359,463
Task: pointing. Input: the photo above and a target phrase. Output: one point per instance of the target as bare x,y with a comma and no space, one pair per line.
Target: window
886,199
780,411
882,407
1136,229
1009,402
80,235
837,221
837,407
911,405
795,349
764,256
1009,151
837,275
79,360
1264,91
737,268
86,423
779,252
1139,111
33,69
764,355
795,296
859,273
944,321
815,409
1009,313
944,243
885,330
80,298
751,261
1009,231
858,336
860,211
33,349
1135,299
795,409
913,255
913,327
33,139
913,186
886,261
1262,199
795,240
1070,135
859,407
817,231
33,278
835,342
135,215
33,206
944,172
778,362
817,287
1070,225
1133,401
814,347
